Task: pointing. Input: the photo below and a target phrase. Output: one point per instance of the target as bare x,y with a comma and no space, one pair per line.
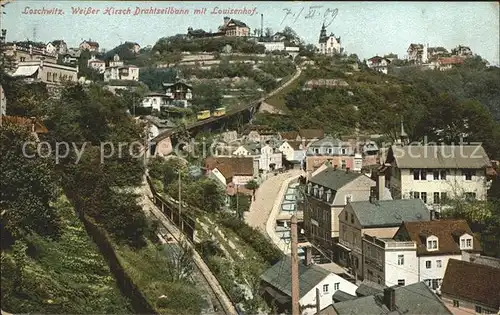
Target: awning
343,247
25,71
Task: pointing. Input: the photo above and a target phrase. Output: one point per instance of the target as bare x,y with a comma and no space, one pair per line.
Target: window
336,286
423,174
325,288
343,151
401,282
479,309
443,175
456,303
54,77
435,173
352,219
423,196
22,59
438,263
49,76
468,175
434,284
428,282
343,164
432,244
347,217
415,195
469,196
316,150
401,260
428,264
469,242
436,198
443,197
462,243
416,174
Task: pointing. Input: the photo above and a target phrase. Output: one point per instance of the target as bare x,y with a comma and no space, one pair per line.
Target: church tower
322,34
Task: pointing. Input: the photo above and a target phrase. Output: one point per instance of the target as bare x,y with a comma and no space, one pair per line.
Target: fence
186,224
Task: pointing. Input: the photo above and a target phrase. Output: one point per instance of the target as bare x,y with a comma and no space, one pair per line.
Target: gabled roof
289,135
280,276
367,288
480,286
410,300
341,296
326,142
25,71
439,156
25,122
236,22
231,166
334,179
310,134
296,145
416,46
447,232
58,42
389,213
91,43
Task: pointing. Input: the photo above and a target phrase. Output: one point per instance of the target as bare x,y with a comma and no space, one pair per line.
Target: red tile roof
471,282
231,166
25,122
289,135
451,60
310,134
447,232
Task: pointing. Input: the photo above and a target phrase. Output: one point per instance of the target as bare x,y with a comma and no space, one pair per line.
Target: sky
365,28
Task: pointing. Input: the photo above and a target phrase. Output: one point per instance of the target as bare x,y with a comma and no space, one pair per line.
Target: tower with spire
322,34
328,44
403,136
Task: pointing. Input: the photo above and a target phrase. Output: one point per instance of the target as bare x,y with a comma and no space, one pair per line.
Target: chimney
380,185
390,299
226,19
261,25
308,256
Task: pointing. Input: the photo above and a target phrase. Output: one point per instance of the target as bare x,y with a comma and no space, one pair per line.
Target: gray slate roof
327,142
412,299
390,212
280,276
368,287
341,296
441,156
334,179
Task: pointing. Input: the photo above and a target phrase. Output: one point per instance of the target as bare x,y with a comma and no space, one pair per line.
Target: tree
268,32
30,186
207,96
180,264
253,186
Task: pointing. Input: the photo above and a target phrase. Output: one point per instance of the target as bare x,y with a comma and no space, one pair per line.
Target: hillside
439,105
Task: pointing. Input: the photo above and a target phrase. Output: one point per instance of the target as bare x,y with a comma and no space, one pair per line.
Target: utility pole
180,203
237,203
295,268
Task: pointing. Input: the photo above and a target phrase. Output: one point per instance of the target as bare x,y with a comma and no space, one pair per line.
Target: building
96,64
377,218
434,52
89,45
436,173
162,144
325,83
314,281
415,299
157,125
118,71
294,152
327,193
328,45
236,170
155,101
57,47
26,53
270,159
378,63
273,46
447,63
53,75
417,53
232,27
470,288
435,242
336,152
71,57
179,93
462,51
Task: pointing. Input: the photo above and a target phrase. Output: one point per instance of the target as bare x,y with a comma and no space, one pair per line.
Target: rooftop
334,179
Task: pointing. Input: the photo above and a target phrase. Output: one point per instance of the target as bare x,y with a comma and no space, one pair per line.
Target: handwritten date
315,11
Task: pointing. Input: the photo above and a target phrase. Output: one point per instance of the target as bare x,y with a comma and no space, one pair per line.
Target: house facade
417,53
419,251
20,53
236,170
337,153
232,27
314,281
89,45
327,193
180,93
293,151
128,73
52,74
462,51
379,64
436,173
155,101
270,159
478,294
328,45
57,47
96,64
377,218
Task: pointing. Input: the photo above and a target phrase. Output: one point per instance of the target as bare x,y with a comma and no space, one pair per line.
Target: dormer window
309,188
321,190
315,191
466,242
432,243
328,195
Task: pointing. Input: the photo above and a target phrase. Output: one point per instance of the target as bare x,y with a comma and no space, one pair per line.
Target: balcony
400,245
